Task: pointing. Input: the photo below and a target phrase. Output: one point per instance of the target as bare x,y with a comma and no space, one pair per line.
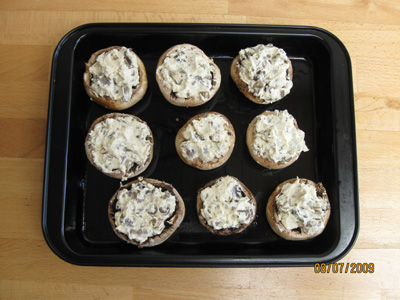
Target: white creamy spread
264,68
187,73
276,138
143,210
225,204
206,138
120,144
299,207
115,74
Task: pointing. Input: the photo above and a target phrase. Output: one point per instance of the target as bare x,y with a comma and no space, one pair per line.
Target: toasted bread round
300,232
184,82
209,148
113,153
267,159
229,190
120,100
272,92
159,212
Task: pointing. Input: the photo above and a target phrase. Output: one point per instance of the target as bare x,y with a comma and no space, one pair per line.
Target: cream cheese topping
143,210
115,74
187,72
264,68
120,144
276,137
225,204
206,138
299,207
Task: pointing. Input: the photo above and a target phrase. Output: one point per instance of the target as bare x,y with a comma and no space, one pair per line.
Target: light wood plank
378,189
24,100
14,171
379,229
19,266
22,138
363,11
10,289
385,276
375,147
189,6
155,280
17,66
50,26
376,76
369,40
378,113
26,227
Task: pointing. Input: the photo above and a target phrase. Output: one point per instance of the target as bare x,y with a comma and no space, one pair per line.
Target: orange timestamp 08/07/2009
353,268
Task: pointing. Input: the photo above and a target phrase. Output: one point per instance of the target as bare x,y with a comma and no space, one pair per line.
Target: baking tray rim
61,248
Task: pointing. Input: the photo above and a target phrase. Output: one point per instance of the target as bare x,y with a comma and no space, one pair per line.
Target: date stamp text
355,268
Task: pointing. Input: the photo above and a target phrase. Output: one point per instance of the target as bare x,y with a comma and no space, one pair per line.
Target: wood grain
362,11
30,31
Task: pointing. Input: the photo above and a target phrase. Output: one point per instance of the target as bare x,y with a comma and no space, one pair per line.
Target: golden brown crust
227,231
190,101
276,224
198,163
243,87
118,175
265,162
106,101
172,223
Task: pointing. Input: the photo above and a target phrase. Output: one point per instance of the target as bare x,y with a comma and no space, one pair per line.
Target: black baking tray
76,195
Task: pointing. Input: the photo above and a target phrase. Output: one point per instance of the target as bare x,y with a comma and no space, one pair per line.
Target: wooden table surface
30,31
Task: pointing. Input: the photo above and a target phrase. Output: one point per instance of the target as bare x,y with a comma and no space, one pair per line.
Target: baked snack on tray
206,141
115,78
146,212
263,73
298,209
187,76
226,206
119,145
274,140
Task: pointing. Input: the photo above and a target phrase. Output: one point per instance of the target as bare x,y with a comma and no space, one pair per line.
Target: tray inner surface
86,228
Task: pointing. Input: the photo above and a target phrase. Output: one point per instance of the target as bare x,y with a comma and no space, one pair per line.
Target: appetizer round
226,206
119,145
206,141
263,73
298,209
146,212
115,78
274,140
187,76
